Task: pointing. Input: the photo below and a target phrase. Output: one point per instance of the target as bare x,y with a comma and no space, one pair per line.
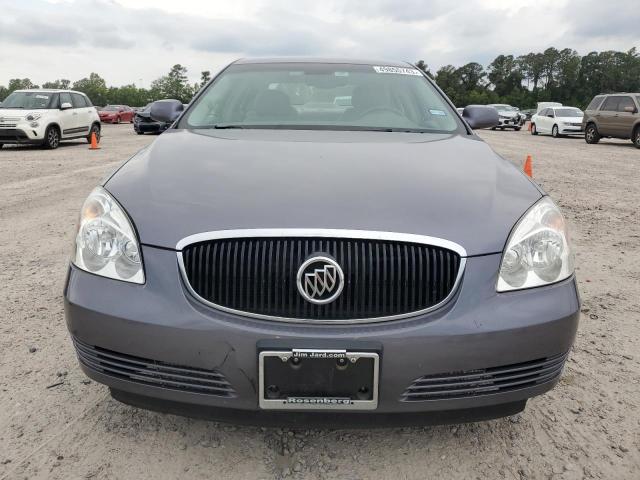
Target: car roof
328,60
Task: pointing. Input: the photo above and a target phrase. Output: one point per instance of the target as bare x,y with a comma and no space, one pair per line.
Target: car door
68,117
83,121
625,117
543,121
606,116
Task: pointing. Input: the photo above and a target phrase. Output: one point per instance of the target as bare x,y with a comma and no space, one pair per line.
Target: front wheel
591,134
118,120
94,129
139,132
554,132
534,130
51,138
636,138
517,129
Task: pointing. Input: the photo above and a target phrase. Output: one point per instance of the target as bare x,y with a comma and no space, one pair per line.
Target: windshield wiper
225,126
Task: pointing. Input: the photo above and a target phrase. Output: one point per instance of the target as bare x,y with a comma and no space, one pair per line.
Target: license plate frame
317,402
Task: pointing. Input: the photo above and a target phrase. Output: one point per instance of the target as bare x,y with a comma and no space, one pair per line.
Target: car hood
507,113
17,112
452,187
570,119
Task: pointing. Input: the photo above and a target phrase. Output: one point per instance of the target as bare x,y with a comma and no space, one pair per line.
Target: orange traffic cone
528,168
529,127
94,142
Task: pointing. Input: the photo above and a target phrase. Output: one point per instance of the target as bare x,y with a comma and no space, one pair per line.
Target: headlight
538,250
31,117
106,243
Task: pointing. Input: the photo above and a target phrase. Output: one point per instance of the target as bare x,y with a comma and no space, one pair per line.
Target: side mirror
480,116
630,109
166,110
66,106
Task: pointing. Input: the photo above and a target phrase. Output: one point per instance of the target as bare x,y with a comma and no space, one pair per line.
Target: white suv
45,117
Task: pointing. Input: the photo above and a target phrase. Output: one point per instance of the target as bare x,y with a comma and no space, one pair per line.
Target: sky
138,41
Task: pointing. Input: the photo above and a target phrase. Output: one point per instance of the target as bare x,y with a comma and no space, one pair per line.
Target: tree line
552,75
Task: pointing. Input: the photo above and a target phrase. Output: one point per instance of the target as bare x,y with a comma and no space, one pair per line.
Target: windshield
512,109
111,108
501,108
322,96
568,112
29,100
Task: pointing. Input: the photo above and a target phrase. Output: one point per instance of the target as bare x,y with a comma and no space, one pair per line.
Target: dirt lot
55,423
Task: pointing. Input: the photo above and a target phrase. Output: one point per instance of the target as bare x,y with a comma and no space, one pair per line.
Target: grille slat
382,278
152,372
485,381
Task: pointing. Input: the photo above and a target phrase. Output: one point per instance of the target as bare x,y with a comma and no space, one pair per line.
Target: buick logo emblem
320,280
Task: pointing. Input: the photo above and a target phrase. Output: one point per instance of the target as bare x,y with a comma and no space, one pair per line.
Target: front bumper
478,329
509,123
570,130
20,135
149,127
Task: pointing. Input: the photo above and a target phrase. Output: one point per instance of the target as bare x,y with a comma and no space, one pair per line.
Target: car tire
591,135
94,128
139,132
517,129
51,138
555,132
635,139
534,130
118,120
493,128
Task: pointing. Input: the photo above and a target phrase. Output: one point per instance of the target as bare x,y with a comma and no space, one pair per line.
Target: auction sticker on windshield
397,70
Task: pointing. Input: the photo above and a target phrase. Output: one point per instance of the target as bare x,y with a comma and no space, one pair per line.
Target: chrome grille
152,372
383,279
485,381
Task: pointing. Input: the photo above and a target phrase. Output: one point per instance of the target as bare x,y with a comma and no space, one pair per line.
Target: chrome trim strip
322,233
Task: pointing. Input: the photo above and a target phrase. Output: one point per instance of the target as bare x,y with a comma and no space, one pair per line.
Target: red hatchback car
116,114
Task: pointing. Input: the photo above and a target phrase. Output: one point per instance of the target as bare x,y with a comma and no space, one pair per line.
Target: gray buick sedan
322,242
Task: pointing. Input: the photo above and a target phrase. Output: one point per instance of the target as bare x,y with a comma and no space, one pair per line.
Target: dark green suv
613,115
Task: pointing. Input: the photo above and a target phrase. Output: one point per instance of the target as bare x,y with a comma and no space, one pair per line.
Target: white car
46,117
558,121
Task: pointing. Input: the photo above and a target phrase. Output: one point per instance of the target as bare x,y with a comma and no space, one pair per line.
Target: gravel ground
56,424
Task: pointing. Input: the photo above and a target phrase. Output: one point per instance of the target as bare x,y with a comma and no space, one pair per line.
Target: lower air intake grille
484,381
152,372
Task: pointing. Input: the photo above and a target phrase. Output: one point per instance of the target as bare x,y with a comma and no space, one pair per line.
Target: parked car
528,113
509,116
116,114
613,116
380,264
46,117
558,121
143,123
